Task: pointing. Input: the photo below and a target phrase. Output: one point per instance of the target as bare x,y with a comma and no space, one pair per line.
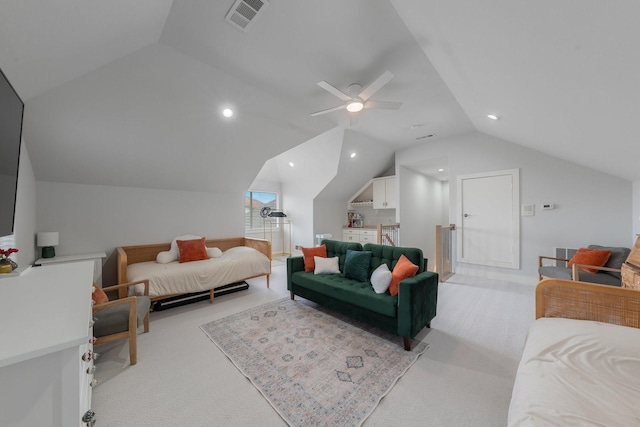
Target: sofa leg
292,295
429,325
407,343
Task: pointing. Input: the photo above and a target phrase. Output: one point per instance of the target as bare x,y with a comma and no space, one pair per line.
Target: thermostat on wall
547,206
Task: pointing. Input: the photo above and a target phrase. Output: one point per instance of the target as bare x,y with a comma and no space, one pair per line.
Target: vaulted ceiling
129,93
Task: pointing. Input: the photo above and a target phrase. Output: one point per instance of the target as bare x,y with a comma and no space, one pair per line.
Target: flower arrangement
7,265
4,253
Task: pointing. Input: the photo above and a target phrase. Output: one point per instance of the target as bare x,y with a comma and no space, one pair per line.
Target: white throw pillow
326,265
214,252
381,279
174,243
165,257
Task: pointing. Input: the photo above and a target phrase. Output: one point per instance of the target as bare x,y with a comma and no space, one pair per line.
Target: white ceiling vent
244,12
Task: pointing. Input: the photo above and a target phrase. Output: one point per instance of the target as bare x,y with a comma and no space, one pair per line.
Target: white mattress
235,264
578,373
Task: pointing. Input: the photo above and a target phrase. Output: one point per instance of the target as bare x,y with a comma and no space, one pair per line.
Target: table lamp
47,240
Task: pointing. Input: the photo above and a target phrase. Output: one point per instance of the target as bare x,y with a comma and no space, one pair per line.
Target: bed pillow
214,252
356,265
381,279
310,253
324,265
403,270
174,242
165,257
595,257
98,295
192,250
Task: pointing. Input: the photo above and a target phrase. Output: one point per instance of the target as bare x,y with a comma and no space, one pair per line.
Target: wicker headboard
587,301
127,255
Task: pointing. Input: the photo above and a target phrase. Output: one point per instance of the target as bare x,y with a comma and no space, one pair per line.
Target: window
254,201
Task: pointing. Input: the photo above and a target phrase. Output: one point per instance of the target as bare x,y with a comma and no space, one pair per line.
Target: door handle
466,215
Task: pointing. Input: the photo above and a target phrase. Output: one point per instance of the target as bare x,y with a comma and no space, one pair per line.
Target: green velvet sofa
405,314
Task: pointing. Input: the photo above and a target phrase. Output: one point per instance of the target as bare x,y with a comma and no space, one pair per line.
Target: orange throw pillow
595,257
98,295
192,250
403,270
309,253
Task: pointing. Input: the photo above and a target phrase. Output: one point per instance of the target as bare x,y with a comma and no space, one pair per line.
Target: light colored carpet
181,379
315,367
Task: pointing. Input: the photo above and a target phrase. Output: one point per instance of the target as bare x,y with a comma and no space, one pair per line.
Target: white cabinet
96,258
360,235
384,193
45,332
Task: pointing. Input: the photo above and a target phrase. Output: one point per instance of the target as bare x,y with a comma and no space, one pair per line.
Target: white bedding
235,264
578,373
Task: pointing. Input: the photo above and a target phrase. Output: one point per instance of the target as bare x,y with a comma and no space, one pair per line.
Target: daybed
405,314
581,359
242,258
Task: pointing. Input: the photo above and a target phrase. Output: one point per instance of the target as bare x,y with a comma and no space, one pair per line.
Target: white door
490,219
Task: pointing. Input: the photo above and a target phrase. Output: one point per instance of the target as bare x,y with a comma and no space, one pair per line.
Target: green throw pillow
356,265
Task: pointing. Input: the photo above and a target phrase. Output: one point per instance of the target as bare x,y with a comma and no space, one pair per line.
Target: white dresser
96,258
46,357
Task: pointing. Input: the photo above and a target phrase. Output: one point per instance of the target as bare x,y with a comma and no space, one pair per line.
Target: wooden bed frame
588,301
127,255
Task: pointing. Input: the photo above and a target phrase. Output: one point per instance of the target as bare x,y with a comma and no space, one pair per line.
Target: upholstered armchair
121,317
607,274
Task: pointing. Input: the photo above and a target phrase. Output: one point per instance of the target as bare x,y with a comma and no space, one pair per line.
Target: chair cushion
583,276
115,319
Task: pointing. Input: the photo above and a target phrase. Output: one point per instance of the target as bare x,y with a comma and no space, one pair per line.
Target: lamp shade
47,238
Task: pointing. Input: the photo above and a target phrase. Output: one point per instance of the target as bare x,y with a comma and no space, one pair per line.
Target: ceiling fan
357,98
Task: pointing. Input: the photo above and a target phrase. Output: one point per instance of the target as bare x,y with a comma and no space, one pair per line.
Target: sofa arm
417,300
294,264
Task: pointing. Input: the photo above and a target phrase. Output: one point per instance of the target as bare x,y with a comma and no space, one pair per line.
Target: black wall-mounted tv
11,113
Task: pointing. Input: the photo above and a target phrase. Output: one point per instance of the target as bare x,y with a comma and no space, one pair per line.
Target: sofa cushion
192,250
381,279
359,294
310,253
402,270
618,257
326,265
356,265
391,254
339,249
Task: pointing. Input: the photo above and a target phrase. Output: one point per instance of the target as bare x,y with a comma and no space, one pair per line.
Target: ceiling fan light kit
355,106
356,99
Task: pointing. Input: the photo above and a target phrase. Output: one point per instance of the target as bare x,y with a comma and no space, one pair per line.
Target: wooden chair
120,318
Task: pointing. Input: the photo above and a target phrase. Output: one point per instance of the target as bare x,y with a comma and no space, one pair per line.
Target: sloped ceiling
129,93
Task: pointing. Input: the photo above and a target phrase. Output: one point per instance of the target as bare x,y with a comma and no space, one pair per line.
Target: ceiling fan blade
377,84
331,89
329,110
385,105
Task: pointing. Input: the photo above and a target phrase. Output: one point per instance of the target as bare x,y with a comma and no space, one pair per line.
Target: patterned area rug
314,366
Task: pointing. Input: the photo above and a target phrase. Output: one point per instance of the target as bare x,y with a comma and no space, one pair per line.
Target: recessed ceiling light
417,125
291,164
440,170
492,116
227,112
353,155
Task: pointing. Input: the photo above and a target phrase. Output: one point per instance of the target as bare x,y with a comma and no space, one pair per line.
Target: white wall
25,219
591,207
93,218
422,207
